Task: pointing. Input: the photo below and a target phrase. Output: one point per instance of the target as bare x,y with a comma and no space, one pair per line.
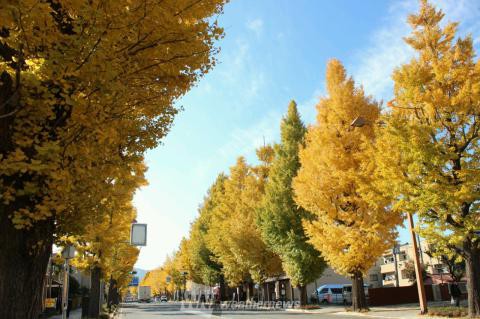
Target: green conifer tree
280,218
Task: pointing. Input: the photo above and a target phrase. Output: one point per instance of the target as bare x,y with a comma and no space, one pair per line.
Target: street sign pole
65,290
67,254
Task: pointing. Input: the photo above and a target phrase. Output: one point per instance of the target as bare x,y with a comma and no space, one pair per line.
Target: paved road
177,311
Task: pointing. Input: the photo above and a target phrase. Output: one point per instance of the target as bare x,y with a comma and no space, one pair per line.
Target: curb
373,315
307,311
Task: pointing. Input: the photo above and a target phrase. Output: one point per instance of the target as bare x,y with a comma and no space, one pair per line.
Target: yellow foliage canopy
233,235
349,228
86,88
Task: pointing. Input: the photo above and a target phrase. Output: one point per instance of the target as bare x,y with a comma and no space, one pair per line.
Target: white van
330,293
347,293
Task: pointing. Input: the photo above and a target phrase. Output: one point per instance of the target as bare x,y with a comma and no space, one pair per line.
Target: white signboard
138,235
68,252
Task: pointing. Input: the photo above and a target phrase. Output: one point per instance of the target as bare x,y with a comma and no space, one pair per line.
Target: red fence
396,295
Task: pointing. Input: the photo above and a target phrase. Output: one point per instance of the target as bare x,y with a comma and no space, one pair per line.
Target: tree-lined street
89,88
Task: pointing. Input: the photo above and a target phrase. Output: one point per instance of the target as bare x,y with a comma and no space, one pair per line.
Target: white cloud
308,109
467,12
241,53
255,85
243,142
256,26
240,72
387,50
234,62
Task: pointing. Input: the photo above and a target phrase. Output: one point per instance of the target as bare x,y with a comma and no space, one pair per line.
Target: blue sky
273,51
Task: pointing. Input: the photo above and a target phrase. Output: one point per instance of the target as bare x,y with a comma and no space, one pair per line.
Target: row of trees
341,190
307,202
86,87
165,280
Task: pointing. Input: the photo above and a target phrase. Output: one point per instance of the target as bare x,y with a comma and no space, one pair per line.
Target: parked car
331,293
347,293
129,299
163,298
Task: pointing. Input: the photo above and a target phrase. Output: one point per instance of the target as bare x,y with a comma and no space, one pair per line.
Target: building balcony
386,268
388,283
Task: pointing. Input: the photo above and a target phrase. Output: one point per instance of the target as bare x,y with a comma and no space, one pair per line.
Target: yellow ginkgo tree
428,152
86,87
233,235
349,229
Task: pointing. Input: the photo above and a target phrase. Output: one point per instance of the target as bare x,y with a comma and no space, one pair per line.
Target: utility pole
419,243
418,271
360,122
396,250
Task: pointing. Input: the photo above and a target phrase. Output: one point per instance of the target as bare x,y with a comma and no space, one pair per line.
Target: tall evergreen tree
204,269
280,219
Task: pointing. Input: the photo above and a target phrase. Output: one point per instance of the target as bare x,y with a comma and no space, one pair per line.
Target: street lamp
67,253
360,122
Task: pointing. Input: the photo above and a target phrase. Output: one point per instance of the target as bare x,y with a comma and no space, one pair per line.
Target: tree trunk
223,289
249,291
116,297
94,302
112,293
24,258
303,295
240,293
359,301
472,263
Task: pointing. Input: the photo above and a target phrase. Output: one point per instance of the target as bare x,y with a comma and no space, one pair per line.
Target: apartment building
393,264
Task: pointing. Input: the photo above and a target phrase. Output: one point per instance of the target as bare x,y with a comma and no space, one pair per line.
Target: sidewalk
324,309
393,313
74,314
403,311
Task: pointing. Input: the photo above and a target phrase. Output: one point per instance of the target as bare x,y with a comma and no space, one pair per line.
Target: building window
440,269
389,276
373,277
402,256
388,259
